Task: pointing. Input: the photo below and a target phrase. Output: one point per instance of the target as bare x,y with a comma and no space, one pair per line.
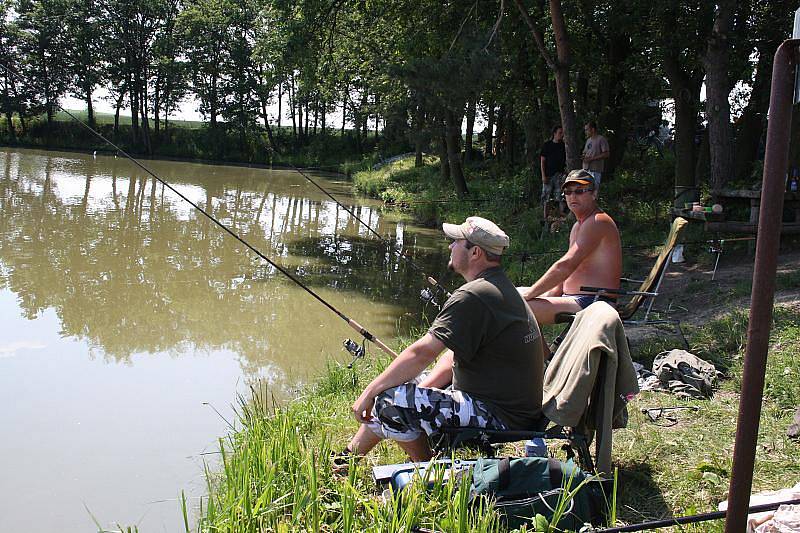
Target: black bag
524,487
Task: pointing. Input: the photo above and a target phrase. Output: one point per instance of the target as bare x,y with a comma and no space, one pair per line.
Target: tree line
416,70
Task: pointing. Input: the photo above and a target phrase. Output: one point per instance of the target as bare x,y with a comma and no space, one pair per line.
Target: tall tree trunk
453,139
501,138
300,116
750,128
582,95
444,164
685,92
117,107
134,97
307,116
560,66
488,150
344,114
612,95
470,129
316,116
145,121
89,107
265,117
718,87
686,106
10,124
280,102
512,133
568,120
213,100
377,101
292,99
418,125
157,107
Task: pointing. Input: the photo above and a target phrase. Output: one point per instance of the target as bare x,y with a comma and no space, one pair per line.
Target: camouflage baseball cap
481,232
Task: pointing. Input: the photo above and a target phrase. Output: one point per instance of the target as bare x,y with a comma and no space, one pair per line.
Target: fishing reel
431,296
356,350
427,296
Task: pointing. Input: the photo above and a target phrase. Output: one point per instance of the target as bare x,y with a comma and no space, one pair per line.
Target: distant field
125,120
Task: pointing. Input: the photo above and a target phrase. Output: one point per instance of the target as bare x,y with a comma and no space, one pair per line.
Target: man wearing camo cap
492,358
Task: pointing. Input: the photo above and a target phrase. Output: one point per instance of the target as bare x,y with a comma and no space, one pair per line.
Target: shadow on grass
641,499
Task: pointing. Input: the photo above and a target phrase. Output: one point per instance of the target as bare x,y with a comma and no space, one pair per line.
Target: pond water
129,322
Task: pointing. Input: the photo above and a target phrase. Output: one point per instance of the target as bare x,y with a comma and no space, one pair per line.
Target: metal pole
762,297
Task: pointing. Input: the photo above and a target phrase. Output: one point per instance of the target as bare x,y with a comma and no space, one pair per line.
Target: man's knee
395,414
546,308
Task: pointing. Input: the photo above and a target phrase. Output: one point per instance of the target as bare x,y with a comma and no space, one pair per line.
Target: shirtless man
594,258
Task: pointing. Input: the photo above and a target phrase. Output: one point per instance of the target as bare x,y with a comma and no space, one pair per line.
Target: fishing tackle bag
524,487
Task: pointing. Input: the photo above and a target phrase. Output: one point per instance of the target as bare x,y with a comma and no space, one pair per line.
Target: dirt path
697,299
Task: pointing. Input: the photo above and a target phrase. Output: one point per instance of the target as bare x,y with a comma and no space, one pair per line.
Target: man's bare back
594,257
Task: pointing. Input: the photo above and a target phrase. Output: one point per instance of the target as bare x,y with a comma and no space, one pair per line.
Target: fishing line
397,252
350,322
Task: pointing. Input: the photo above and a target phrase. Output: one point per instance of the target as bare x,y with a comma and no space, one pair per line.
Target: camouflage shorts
405,412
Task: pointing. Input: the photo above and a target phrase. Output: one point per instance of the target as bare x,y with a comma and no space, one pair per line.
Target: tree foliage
411,72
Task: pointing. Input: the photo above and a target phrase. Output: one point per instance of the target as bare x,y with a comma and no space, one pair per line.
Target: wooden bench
725,196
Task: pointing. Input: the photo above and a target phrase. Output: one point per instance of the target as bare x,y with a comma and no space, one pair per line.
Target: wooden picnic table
719,222
725,196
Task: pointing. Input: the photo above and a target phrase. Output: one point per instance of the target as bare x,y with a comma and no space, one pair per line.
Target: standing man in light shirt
595,153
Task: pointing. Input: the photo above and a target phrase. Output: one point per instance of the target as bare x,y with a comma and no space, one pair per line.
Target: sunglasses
577,192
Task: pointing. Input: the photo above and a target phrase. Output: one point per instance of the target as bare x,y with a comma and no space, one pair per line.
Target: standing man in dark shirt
552,160
492,356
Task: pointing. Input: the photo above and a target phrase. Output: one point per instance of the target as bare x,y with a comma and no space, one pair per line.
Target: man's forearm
554,277
442,373
408,365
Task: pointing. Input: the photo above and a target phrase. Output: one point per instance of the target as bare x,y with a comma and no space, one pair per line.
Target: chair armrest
565,318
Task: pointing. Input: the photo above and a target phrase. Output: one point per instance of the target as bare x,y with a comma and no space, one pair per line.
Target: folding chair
647,292
586,406
576,444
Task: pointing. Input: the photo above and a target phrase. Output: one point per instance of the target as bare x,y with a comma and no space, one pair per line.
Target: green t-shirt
497,348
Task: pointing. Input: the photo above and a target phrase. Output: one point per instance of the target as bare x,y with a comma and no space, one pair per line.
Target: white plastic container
536,448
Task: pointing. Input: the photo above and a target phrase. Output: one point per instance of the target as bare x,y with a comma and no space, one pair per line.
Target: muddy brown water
125,315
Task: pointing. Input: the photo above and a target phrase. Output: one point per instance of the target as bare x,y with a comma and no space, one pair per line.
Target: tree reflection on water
131,268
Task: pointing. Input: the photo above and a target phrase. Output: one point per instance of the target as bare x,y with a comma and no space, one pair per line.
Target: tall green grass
276,475
275,472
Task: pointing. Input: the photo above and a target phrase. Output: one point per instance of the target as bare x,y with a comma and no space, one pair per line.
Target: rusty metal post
776,161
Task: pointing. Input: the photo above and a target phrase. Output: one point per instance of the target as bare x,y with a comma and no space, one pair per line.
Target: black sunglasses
578,191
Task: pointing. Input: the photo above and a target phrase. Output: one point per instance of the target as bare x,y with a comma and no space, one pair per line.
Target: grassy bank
276,473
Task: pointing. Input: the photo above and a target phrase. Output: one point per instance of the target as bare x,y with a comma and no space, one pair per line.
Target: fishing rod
691,519
426,294
355,350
